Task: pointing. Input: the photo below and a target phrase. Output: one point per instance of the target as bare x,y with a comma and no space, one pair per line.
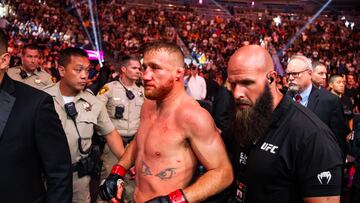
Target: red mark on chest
157,154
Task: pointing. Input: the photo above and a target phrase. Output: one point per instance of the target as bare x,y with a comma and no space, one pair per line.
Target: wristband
118,169
177,196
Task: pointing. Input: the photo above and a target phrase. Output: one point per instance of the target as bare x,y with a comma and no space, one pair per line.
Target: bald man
175,136
281,151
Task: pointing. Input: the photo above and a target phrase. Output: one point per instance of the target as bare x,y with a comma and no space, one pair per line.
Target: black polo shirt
299,157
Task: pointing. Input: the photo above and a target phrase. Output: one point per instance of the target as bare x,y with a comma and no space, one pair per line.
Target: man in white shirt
195,85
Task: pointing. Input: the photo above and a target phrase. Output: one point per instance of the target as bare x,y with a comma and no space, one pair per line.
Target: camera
119,112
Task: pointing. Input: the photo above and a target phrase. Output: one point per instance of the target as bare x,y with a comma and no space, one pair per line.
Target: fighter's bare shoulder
195,120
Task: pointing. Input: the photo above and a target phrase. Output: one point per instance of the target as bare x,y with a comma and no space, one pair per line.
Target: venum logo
243,158
324,177
269,147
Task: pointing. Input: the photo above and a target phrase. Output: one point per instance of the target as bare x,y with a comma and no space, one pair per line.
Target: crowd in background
210,41
124,29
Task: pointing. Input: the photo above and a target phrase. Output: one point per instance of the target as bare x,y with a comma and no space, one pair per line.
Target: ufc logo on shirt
269,147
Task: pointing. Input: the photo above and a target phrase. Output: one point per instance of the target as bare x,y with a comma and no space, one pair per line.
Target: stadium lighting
277,20
310,21
343,18
200,1
347,24
352,25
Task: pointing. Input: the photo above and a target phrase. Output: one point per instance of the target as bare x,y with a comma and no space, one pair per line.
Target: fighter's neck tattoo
165,174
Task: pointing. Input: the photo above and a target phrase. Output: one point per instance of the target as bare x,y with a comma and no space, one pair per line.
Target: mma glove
108,188
177,196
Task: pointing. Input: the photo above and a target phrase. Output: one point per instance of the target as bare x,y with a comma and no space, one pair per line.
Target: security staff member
80,113
30,72
123,100
281,151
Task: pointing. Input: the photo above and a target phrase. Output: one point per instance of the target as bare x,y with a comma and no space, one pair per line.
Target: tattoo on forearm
166,173
145,169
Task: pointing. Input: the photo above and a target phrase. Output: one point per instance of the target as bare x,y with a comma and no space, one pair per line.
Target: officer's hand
109,188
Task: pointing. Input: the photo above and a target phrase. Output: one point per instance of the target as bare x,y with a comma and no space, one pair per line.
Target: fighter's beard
250,125
160,92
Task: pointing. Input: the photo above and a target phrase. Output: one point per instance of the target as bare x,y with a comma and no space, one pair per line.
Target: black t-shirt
299,157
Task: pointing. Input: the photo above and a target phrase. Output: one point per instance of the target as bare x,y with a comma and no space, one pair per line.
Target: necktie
298,98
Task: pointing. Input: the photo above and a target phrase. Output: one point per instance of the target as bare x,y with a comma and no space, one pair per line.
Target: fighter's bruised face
250,124
158,74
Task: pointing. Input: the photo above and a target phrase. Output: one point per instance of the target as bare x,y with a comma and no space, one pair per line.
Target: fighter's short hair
162,45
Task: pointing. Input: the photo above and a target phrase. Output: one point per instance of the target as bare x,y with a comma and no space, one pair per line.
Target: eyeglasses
294,74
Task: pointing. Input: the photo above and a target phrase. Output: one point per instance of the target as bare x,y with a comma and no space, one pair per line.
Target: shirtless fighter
174,136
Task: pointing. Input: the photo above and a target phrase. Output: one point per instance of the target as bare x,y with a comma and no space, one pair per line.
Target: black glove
108,188
177,196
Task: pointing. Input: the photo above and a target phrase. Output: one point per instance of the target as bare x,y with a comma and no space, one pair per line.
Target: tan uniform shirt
113,94
91,115
39,79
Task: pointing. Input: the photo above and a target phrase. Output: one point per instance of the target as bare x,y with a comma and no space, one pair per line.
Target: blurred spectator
195,85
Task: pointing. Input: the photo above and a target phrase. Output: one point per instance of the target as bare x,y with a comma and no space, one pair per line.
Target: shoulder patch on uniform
103,90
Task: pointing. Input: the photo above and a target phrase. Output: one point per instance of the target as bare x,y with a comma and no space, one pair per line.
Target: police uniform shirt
113,95
91,115
299,157
39,79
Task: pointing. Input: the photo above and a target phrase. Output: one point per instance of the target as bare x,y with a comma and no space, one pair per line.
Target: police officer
123,100
80,113
30,72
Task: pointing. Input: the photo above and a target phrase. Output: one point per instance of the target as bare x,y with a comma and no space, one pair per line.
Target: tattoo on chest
166,173
163,175
145,169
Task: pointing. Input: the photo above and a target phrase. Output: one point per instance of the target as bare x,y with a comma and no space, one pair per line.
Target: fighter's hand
120,189
109,187
177,196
